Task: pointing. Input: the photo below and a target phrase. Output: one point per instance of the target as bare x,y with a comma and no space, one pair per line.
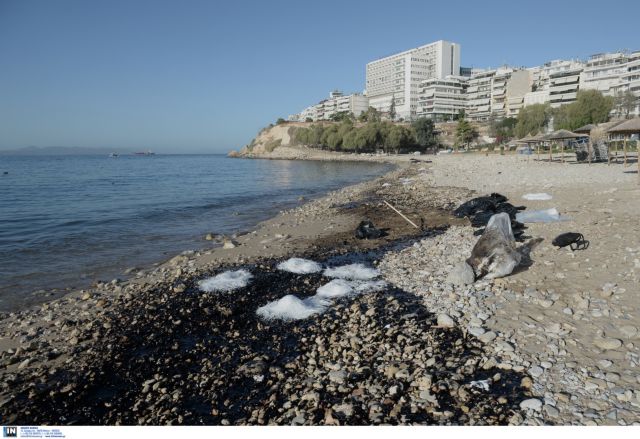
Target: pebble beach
555,343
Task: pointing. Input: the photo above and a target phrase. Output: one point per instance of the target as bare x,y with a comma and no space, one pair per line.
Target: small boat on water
114,155
148,152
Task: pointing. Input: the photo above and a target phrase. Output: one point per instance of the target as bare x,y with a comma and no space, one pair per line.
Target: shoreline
506,315
38,295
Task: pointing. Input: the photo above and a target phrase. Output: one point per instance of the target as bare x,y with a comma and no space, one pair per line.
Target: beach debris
291,307
574,240
366,230
400,213
352,272
225,282
462,274
495,254
479,210
543,196
475,205
540,216
300,266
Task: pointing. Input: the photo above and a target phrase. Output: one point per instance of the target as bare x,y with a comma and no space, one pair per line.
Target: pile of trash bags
480,210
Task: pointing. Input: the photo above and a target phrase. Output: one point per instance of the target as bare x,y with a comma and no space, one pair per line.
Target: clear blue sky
204,76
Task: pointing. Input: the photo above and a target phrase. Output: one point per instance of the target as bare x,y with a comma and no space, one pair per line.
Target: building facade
354,103
442,99
394,80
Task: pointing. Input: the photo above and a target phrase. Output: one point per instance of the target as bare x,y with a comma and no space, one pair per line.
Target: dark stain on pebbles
206,358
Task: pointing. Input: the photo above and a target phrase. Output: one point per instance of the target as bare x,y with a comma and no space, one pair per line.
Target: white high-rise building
396,78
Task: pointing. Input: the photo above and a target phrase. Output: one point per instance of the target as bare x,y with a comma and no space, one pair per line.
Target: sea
69,221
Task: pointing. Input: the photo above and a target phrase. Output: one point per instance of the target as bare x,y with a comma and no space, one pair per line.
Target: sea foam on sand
227,281
335,288
352,272
292,308
300,266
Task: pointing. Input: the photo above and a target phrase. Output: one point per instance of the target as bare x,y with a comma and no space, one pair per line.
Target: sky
194,76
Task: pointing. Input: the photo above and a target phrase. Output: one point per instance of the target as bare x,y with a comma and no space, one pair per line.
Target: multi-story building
630,80
518,85
441,99
564,86
603,72
354,103
394,80
479,95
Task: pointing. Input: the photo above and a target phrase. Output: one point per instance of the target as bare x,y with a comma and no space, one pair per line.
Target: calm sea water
66,221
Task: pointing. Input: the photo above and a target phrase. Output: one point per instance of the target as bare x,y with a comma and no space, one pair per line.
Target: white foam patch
371,286
352,272
386,184
292,308
300,266
227,281
543,196
335,288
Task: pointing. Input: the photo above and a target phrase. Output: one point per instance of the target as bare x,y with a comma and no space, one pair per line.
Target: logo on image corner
9,431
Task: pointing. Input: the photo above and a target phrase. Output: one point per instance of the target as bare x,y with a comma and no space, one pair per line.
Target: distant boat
148,152
114,155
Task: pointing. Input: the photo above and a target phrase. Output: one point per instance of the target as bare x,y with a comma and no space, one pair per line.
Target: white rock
608,343
461,274
531,404
445,321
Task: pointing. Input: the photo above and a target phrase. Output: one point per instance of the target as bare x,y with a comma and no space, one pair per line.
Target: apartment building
354,103
564,86
557,78
518,85
442,99
630,79
603,72
479,95
396,78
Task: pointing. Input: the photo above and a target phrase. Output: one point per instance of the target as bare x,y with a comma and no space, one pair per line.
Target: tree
399,137
370,115
280,121
466,133
590,107
308,119
532,119
502,129
341,115
625,102
392,108
425,132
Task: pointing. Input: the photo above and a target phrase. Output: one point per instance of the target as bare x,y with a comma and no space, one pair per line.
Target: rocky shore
555,343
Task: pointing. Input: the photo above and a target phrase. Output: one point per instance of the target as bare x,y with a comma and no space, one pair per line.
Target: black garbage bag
366,230
474,205
574,240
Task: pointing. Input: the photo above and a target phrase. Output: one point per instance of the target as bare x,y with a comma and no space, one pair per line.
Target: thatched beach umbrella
533,140
627,129
562,135
586,129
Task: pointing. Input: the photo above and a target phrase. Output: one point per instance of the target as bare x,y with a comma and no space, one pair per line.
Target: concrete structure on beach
395,79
